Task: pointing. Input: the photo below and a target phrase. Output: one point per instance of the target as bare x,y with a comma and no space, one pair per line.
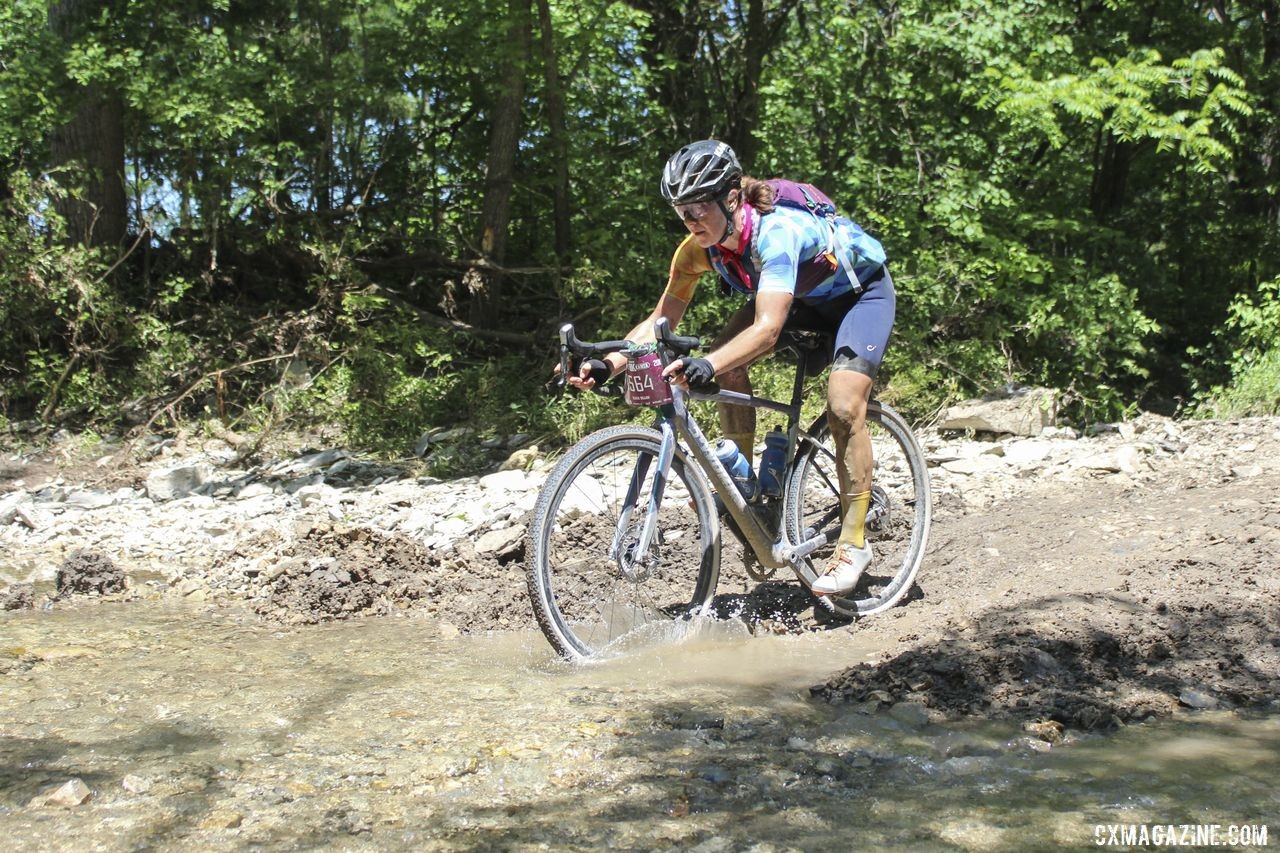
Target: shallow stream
198,727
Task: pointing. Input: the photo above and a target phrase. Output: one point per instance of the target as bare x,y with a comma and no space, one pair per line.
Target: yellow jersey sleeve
687,266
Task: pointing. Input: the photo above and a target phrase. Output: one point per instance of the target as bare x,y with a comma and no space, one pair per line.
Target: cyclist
783,259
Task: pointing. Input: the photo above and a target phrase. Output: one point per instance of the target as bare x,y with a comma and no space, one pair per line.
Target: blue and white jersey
793,251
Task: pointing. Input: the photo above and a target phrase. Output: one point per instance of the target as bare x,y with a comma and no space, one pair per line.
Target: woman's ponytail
758,194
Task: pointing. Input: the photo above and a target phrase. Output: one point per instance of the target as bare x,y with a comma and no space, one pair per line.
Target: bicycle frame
676,422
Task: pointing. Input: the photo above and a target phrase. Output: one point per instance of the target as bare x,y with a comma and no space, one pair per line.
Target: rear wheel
897,520
590,602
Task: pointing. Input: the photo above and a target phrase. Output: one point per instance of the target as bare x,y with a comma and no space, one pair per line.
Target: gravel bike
625,542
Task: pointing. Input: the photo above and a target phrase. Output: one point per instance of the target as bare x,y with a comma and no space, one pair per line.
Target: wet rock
697,721
222,819
1200,700
967,765
52,654
913,715
72,793
1033,744
1049,731
85,571
715,775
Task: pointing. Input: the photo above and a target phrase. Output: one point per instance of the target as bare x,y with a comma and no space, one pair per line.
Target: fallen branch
214,375
447,323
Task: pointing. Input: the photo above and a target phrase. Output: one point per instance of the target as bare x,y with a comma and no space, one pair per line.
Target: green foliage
1079,195
1254,388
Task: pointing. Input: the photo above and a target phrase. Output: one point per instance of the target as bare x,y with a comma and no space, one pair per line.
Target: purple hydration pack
802,196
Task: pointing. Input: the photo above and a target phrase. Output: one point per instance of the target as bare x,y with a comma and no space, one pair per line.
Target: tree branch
445,322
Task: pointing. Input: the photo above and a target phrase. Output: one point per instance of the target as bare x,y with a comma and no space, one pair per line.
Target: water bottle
739,469
773,462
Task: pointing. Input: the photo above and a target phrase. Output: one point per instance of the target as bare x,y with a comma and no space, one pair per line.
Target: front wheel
594,589
897,520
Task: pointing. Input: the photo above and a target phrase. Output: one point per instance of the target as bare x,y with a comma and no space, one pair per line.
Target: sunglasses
694,211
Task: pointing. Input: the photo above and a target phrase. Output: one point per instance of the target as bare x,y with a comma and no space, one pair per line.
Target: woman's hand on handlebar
591,373
686,371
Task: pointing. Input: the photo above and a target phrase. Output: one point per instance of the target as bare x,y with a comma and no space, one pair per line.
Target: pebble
72,793
221,819
1200,700
136,784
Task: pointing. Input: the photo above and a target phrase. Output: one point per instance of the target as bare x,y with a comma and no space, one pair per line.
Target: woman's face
705,219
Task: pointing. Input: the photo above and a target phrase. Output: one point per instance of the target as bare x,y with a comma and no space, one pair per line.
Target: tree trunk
485,286
557,133
702,64
93,140
1259,166
671,51
1111,177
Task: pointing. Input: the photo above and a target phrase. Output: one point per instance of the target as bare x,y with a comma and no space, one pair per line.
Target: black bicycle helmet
700,170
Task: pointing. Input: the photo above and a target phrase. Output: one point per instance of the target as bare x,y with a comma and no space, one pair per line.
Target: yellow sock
746,443
854,522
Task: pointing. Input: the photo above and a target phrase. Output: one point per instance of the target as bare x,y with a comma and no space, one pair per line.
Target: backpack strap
817,203
835,245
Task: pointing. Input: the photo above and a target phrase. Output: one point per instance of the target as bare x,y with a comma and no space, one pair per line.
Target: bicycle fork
634,563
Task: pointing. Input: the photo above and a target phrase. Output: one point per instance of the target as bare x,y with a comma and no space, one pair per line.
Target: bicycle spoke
588,601
897,520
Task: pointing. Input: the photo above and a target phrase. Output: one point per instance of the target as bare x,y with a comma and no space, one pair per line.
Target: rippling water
209,728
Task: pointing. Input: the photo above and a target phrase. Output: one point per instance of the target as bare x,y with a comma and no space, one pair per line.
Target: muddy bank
1092,614
321,572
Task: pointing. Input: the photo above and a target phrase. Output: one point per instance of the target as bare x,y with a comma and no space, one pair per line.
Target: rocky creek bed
327,650
1080,581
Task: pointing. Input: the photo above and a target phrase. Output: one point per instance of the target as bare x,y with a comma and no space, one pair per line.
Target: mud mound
18,596
1098,672
331,572
85,572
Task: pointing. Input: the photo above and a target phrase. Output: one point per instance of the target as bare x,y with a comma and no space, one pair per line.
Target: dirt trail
1090,607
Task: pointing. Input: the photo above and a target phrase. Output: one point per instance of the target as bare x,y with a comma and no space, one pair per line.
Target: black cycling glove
698,371
600,370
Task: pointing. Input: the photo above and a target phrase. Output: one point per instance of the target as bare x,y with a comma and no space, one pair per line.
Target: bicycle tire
589,605
898,520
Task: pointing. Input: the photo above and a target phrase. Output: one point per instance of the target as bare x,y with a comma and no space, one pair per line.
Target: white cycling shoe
847,565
